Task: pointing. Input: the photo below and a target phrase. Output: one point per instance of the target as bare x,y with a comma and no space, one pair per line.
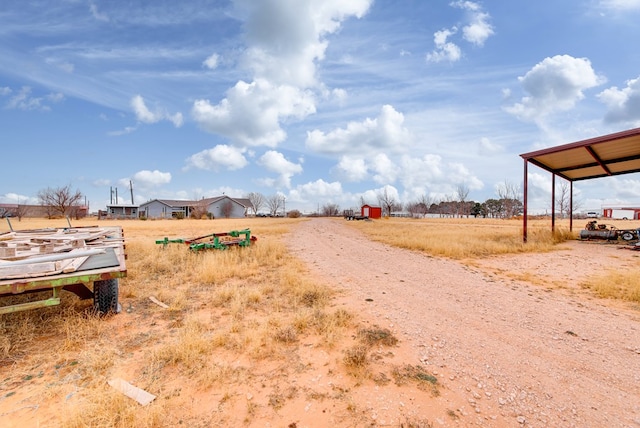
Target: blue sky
321,101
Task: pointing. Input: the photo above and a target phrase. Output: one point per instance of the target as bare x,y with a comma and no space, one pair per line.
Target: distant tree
424,203
59,201
258,200
493,208
478,210
397,207
21,211
462,192
564,199
415,209
274,203
447,207
386,200
330,210
511,195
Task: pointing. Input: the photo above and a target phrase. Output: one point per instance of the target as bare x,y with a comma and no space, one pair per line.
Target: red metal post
526,188
553,203
570,206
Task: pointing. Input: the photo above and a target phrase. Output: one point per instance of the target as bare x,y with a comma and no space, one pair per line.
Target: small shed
371,211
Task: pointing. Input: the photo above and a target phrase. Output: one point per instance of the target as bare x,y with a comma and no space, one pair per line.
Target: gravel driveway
510,353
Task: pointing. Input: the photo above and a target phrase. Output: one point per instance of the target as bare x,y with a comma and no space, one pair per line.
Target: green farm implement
217,241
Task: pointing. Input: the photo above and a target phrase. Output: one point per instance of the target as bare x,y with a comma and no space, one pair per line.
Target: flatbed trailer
87,261
351,215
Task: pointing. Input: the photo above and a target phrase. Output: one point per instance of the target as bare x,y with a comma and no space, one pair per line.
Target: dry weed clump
377,336
418,375
616,284
109,408
356,359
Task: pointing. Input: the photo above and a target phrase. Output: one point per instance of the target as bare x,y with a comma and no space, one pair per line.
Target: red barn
370,211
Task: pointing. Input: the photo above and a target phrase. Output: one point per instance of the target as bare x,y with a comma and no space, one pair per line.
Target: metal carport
604,156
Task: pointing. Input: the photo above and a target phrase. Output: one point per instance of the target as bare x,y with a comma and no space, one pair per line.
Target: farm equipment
87,261
351,215
593,230
218,240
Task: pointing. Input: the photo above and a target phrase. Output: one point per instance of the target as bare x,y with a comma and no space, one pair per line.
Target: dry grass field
246,332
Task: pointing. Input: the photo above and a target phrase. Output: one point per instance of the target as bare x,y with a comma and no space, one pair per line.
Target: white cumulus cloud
381,134
285,40
444,50
212,61
286,37
276,162
351,168
147,179
318,190
623,104
144,115
553,85
250,115
221,156
476,30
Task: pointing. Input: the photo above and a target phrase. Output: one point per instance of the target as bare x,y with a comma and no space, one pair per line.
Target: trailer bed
74,259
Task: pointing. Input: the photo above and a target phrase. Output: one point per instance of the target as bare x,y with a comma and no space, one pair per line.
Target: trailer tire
105,296
627,236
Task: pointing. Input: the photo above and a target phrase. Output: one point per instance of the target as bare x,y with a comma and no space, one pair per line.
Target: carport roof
603,156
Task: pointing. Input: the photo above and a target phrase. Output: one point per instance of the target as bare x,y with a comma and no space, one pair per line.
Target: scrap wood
49,264
27,271
140,395
158,302
56,257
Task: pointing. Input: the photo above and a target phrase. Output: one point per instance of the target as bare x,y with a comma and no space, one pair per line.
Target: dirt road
510,353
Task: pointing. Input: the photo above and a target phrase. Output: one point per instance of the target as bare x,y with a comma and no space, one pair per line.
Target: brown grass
462,238
617,284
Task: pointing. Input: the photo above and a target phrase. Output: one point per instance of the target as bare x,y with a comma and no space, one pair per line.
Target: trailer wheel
627,236
105,296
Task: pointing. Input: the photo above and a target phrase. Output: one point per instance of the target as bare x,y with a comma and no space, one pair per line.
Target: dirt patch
513,339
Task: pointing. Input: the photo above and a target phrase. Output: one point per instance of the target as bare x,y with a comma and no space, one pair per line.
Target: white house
120,211
218,207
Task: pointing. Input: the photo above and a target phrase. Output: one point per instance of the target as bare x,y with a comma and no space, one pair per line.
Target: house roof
607,155
177,203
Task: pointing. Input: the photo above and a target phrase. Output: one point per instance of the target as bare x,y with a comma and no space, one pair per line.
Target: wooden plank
158,302
80,252
72,265
27,271
7,252
140,395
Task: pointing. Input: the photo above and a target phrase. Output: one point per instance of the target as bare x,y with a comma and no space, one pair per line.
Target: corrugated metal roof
608,155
